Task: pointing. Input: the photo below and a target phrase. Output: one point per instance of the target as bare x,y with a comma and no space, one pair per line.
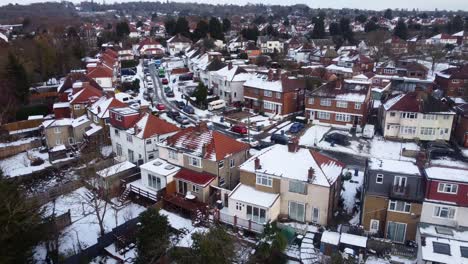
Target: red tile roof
200,178
85,95
156,126
101,72
324,160
77,77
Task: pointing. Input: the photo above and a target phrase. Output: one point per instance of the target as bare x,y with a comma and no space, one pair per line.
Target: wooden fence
53,192
21,125
13,150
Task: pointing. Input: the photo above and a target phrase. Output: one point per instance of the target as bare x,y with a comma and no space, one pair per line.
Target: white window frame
357,106
379,176
448,208
325,102
118,149
441,188
315,219
71,140
278,95
195,162
373,229
342,117
76,106
57,130
129,138
341,104
310,100
118,117
264,180
58,141
323,115
267,93
232,163
172,154
195,188
399,180
95,119
395,207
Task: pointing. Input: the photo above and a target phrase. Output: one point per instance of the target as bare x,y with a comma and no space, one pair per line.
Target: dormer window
118,117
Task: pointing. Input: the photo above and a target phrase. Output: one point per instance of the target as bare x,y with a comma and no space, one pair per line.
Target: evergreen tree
216,28
200,94
139,24
154,17
170,25
334,29
250,33
226,24
122,29
371,26
213,247
16,74
319,28
20,224
346,30
361,18
152,237
457,24
388,14
401,30
201,30
182,27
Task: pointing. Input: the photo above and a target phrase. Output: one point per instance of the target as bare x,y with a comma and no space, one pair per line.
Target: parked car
438,144
179,104
172,114
170,94
188,109
337,138
240,129
167,89
182,120
296,128
164,81
279,139
252,142
438,152
160,107
263,144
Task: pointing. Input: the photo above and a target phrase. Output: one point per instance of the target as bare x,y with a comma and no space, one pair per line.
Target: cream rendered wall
460,219
271,213
164,154
317,196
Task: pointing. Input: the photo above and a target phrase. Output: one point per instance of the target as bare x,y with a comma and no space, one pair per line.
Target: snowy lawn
18,142
350,189
20,164
84,230
313,135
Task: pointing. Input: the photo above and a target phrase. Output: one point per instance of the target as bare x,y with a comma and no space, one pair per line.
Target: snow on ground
350,189
177,221
386,149
449,162
464,152
375,260
84,230
313,135
20,164
106,151
18,142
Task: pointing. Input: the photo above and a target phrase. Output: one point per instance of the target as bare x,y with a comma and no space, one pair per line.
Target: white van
215,105
368,131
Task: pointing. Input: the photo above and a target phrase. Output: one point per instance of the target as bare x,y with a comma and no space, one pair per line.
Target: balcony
399,191
236,221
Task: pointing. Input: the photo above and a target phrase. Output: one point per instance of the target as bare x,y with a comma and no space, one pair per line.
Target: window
268,105
446,117
154,182
298,187
297,211
71,141
428,131
239,206
256,214
95,119
315,215
196,162
379,179
399,206
77,107
232,163
278,95
116,132
118,149
342,117
447,188
392,114
341,104
131,157
118,117
441,248
444,212
455,81
264,180
399,181
267,93
325,102
409,115
374,225
407,130
195,188
221,164
396,231
129,138
58,141
172,154
148,141
151,156
357,106
429,117
323,115
310,101
57,130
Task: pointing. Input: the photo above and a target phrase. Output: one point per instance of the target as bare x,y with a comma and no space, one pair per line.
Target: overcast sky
361,4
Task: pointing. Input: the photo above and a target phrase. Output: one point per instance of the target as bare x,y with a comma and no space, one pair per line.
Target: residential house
82,95
270,44
228,83
356,61
453,81
178,44
392,199
274,92
102,74
403,68
416,115
442,234
461,125
65,132
150,47
135,135
344,103
442,39
98,114
286,182
397,46
206,151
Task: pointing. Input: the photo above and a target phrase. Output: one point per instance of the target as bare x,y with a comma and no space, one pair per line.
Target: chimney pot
310,175
257,164
230,65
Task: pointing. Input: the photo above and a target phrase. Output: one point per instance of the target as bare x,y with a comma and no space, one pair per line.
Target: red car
239,129
160,107
165,81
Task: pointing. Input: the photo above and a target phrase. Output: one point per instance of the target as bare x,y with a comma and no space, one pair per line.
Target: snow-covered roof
333,67
260,81
447,174
160,167
441,250
277,161
392,101
57,122
117,168
80,121
330,237
62,105
354,240
35,117
351,97
398,166
250,195
58,148
94,129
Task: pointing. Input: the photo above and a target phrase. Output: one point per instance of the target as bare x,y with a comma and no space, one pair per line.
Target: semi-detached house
285,181
135,135
228,83
416,115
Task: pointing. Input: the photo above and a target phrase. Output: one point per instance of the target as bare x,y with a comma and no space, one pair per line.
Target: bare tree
376,41
437,53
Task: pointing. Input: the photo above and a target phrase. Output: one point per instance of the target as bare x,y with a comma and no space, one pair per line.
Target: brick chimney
338,84
230,65
293,145
310,175
257,164
277,75
204,149
270,75
421,159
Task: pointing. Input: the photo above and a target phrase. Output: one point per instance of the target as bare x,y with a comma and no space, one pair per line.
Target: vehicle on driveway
170,94
160,107
296,128
279,139
240,129
252,142
172,114
337,138
439,148
188,109
263,144
164,81
179,104
166,89
183,120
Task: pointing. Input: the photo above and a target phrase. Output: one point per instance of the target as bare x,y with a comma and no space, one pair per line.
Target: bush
26,111
129,64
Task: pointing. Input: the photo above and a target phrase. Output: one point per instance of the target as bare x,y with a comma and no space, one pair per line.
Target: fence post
235,220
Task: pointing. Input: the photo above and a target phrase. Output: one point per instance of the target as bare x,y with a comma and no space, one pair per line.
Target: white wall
104,82
427,215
